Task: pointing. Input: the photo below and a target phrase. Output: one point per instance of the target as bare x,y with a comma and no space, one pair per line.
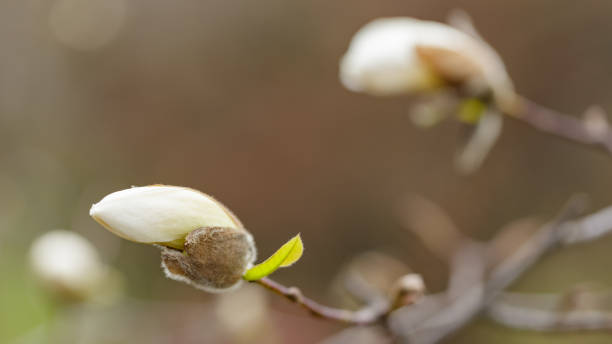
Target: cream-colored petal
160,213
381,59
402,55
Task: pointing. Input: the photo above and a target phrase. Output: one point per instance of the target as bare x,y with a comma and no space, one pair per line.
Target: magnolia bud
67,263
160,214
407,290
203,243
402,55
242,324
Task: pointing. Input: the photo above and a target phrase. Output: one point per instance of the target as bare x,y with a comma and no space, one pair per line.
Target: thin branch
436,317
359,335
589,227
463,297
566,126
373,313
550,312
472,301
549,236
542,320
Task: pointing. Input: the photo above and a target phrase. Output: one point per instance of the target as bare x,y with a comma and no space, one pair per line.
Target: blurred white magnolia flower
241,323
160,214
67,263
399,55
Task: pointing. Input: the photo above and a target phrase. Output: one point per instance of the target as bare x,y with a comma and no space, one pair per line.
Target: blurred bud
68,265
245,315
407,290
391,56
203,243
370,276
595,121
160,214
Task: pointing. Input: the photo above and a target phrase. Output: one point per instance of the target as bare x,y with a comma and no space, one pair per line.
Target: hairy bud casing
215,258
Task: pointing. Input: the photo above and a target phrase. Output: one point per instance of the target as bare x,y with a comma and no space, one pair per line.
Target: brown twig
551,312
450,311
438,316
590,227
475,298
564,126
372,313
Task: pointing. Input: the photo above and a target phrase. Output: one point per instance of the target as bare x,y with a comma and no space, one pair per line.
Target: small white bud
67,263
392,56
407,290
595,121
411,283
242,324
160,214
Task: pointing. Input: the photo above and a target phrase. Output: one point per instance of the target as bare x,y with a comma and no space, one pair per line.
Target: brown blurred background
240,99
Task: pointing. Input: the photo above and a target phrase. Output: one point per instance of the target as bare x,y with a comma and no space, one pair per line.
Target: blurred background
241,99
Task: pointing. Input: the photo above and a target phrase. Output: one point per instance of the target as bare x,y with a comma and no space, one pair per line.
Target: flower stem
372,313
565,126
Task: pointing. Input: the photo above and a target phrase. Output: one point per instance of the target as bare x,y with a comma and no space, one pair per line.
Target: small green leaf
285,256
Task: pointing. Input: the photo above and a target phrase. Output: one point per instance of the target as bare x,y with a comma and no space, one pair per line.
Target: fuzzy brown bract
214,259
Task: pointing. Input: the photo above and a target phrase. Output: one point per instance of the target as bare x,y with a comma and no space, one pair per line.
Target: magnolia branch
472,289
373,313
455,308
593,129
574,311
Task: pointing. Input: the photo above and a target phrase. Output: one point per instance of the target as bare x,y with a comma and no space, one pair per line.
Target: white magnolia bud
204,244
160,214
408,290
392,56
411,283
67,263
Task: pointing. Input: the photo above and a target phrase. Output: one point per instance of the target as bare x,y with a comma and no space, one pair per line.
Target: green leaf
285,256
